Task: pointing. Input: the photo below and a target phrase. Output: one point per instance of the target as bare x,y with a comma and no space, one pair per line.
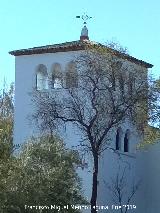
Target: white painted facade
110,162
25,83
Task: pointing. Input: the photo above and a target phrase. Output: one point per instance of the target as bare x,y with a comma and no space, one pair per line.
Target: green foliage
151,136
43,174
151,131
6,122
157,101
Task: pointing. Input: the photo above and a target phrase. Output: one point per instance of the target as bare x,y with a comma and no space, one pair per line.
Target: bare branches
122,194
109,91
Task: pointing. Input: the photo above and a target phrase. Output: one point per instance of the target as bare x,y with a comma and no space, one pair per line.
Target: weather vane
85,18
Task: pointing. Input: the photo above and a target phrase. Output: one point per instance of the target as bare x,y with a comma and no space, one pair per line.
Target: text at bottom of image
81,207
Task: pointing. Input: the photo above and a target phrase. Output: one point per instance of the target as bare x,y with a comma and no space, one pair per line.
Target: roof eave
75,47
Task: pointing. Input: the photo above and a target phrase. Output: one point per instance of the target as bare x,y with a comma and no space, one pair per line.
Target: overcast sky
29,23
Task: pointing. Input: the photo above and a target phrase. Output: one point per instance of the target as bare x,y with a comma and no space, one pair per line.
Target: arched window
71,75
126,141
57,77
118,139
41,77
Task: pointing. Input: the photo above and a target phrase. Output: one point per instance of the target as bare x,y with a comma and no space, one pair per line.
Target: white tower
33,67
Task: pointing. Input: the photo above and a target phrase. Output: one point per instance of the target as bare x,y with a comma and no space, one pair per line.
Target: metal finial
84,31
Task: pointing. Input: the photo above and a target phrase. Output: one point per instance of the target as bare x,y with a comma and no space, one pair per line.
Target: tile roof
75,46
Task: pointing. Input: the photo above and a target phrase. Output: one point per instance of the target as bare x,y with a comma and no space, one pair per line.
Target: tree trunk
94,185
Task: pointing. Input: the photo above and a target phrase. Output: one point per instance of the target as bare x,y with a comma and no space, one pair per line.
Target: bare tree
110,90
122,194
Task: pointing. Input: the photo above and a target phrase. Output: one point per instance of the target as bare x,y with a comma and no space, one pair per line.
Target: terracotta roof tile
74,46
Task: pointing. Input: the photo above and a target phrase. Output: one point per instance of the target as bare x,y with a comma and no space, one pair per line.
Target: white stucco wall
113,164
149,167
25,82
